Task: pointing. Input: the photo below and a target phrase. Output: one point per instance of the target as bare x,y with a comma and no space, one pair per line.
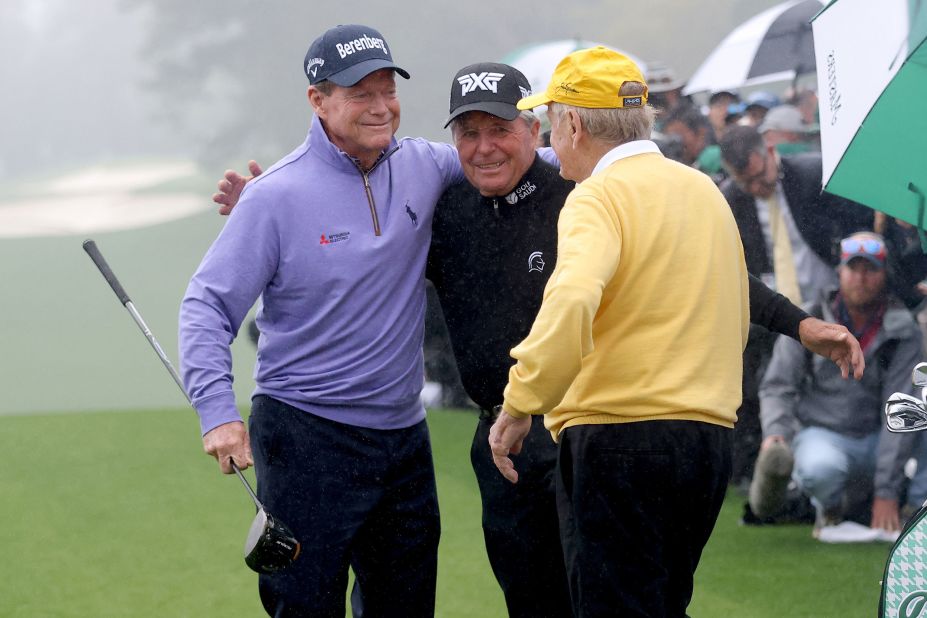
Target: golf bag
904,583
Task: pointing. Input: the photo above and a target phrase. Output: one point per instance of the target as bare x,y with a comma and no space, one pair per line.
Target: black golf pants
352,496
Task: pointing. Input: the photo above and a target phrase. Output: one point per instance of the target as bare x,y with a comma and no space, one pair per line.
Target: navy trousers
352,496
520,524
637,504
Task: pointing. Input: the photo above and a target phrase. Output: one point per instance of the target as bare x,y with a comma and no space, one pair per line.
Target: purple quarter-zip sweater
339,257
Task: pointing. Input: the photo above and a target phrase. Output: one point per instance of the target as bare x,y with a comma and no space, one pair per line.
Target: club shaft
247,485
157,347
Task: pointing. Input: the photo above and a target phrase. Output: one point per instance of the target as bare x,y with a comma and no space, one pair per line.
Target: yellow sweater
646,315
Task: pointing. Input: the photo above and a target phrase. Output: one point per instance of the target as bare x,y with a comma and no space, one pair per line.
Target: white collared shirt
628,149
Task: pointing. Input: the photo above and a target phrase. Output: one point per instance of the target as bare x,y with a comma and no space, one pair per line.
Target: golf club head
919,375
904,413
270,545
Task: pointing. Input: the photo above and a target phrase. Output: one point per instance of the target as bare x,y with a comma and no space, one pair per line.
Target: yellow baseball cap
591,78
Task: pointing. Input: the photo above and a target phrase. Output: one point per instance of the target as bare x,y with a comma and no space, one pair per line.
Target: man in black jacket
790,231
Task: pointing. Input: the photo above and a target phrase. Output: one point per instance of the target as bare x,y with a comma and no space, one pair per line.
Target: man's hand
229,440
885,515
835,342
506,437
231,185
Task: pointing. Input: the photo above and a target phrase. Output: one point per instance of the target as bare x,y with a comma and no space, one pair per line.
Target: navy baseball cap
344,55
488,87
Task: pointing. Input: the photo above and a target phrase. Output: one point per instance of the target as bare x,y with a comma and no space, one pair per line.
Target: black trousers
352,496
637,504
521,527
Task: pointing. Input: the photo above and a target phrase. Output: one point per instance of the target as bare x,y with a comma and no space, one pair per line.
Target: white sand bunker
100,200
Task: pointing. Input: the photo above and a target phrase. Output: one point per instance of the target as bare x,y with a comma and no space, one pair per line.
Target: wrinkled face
760,175
693,142
862,283
360,119
561,142
494,153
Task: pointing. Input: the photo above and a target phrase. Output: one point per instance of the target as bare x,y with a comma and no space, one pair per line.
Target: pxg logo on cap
488,87
344,55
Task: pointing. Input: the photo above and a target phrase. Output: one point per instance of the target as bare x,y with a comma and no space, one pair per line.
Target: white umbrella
774,46
872,71
538,61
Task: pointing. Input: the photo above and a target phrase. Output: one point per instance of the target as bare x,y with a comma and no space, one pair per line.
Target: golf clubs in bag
904,582
270,545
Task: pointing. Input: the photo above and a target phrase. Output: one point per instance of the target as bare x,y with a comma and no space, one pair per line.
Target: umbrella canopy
775,45
539,60
872,73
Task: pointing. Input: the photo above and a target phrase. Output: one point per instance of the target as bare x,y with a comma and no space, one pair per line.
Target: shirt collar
628,149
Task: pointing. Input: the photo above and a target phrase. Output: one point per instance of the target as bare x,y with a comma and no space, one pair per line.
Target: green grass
120,514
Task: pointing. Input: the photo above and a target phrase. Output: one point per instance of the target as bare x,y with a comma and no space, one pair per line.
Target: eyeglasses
869,246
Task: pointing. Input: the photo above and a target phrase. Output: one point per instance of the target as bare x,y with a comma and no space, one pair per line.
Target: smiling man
334,238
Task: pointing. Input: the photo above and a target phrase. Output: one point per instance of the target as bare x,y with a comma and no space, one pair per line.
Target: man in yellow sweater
635,355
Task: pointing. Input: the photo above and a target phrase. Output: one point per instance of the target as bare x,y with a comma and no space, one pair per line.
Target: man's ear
315,101
575,127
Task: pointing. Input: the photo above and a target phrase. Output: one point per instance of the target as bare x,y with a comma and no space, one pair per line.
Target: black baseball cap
344,55
488,87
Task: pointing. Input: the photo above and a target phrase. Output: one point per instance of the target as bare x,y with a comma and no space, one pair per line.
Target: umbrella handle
920,215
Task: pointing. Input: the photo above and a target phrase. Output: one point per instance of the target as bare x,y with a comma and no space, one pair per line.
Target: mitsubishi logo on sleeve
484,81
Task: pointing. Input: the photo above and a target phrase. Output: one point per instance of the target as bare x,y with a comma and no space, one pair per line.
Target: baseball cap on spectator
661,78
488,87
761,98
591,78
346,54
866,245
785,118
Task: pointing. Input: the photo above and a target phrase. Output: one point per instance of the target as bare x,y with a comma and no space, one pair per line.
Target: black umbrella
776,45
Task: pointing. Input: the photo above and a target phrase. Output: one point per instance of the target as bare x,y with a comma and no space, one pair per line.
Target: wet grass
120,514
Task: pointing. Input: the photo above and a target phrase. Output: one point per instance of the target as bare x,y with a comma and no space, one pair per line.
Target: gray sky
86,82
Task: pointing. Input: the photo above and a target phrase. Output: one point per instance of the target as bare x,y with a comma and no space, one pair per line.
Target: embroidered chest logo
331,239
536,262
412,215
521,192
484,81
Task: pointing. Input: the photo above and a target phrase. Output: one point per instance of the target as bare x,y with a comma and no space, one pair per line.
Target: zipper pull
495,206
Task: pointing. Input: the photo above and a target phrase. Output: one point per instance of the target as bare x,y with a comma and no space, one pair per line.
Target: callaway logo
313,65
358,45
483,81
521,192
333,238
536,262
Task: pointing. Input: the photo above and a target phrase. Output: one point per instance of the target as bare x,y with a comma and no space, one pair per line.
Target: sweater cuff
215,410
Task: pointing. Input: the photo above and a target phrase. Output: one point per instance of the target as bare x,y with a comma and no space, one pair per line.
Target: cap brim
533,101
506,111
359,71
865,256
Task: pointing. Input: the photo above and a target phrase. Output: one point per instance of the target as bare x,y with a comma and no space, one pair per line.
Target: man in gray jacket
834,427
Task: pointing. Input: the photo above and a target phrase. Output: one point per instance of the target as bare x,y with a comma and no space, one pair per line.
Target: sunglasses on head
869,246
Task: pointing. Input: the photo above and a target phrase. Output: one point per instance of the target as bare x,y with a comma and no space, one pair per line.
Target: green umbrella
872,78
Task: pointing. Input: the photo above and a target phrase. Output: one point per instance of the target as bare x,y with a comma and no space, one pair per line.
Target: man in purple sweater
334,238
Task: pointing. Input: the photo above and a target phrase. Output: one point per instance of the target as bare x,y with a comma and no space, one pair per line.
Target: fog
219,81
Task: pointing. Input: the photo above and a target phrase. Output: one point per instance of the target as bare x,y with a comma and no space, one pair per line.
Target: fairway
120,514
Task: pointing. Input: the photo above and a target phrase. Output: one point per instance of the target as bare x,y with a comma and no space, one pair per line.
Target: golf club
270,545
904,413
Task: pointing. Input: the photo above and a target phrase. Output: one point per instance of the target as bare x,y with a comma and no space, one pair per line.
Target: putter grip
91,248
